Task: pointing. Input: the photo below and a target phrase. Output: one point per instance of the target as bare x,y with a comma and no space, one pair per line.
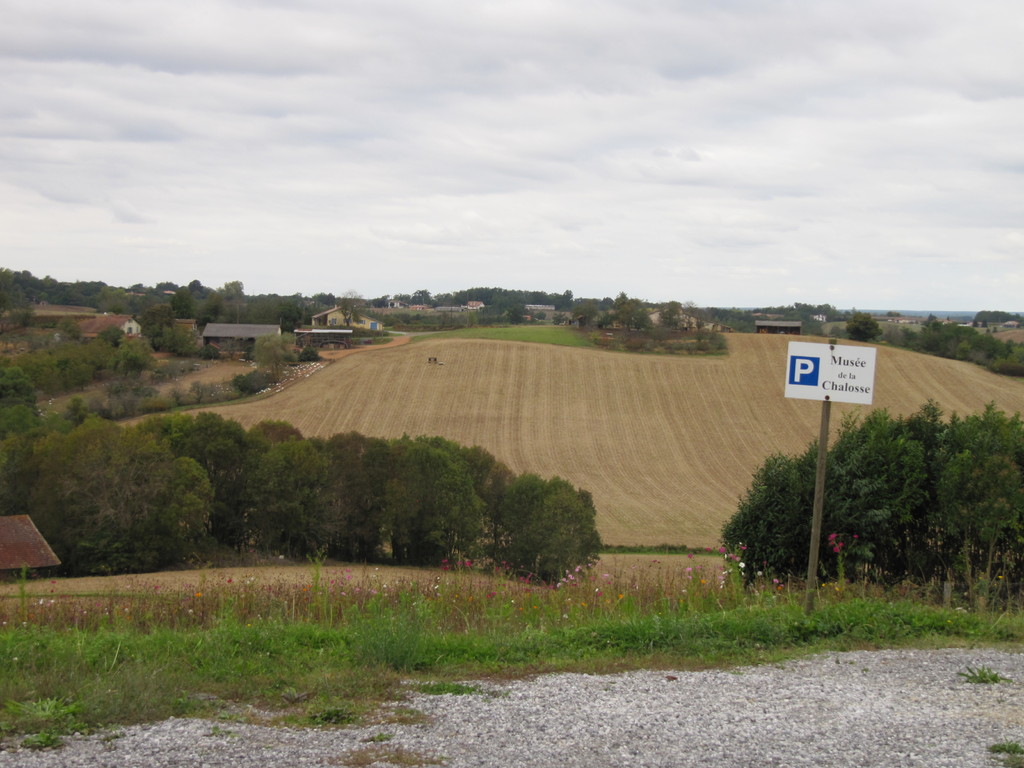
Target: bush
906,498
250,383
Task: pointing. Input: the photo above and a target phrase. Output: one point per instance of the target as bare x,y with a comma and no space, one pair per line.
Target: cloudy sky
865,154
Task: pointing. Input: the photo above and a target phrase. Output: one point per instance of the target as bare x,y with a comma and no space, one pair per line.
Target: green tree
358,471
181,341
226,453
431,510
16,388
111,499
183,303
545,528
980,491
586,313
349,304
273,352
18,419
671,315
212,309
157,322
18,413
133,357
286,492
233,294
862,327
113,300
631,313
289,314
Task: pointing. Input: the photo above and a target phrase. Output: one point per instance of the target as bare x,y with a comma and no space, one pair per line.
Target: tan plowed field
667,445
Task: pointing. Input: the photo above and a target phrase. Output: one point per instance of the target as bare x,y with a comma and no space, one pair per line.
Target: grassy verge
540,334
330,651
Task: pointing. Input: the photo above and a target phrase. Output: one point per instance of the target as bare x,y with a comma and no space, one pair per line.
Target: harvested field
666,445
1016,335
624,567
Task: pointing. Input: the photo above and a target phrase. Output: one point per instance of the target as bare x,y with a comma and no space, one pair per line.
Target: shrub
250,383
309,355
907,498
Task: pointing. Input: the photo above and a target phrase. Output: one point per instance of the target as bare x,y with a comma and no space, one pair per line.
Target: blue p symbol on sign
804,370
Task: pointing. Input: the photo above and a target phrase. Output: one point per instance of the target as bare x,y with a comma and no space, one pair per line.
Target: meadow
326,644
559,335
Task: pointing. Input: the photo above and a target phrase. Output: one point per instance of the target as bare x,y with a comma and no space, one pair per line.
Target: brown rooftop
93,326
22,546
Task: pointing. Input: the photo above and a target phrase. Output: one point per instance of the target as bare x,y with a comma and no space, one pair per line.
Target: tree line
178,488
961,342
917,498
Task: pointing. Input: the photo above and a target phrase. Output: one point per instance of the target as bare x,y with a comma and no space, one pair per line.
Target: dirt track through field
667,445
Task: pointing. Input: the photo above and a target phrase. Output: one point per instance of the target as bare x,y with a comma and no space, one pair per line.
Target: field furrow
667,445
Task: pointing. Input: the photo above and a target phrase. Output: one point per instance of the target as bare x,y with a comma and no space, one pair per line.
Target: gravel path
862,710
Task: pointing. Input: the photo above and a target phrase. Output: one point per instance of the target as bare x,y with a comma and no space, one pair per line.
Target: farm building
236,336
689,322
324,338
22,546
335,317
94,326
792,327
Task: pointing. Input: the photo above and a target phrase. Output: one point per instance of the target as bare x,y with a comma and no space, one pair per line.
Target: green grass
1011,753
539,334
983,676
330,652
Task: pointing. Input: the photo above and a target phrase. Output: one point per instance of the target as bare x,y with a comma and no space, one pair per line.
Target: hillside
667,445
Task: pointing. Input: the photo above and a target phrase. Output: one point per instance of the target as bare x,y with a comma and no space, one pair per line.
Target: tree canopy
134,498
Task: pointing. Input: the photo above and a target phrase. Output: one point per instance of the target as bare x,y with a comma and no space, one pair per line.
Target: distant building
792,327
236,336
324,338
94,326
333,318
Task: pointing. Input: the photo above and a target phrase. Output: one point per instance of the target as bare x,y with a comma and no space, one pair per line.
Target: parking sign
843,374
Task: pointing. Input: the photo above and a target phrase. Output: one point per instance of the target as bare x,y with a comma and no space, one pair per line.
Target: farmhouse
94,326
335,317
236,336
792,327
22,546
691,323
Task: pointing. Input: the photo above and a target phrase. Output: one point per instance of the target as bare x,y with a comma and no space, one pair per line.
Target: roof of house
22,546
100,323
239,330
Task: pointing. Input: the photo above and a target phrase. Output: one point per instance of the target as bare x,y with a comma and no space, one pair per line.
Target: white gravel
861,709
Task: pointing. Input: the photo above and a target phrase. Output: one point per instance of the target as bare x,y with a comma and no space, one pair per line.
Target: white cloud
731,153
